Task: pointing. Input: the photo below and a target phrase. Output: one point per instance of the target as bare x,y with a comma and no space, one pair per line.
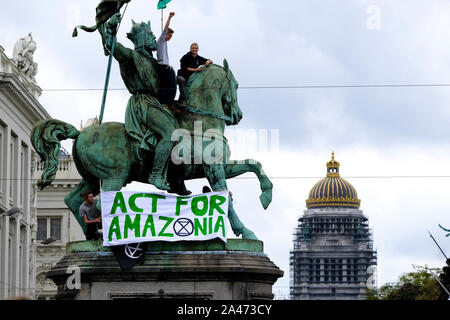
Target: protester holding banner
91,215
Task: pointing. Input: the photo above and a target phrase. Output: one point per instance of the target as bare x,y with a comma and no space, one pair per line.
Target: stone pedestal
185,270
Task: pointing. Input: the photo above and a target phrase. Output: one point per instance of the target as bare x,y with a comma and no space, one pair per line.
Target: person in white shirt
168,85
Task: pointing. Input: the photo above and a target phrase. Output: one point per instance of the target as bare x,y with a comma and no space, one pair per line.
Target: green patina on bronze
159,246
116,153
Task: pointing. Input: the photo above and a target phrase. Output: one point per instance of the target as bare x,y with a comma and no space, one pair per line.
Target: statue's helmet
142,36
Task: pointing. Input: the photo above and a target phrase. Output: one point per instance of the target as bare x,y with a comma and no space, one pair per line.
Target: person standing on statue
146,119
168,87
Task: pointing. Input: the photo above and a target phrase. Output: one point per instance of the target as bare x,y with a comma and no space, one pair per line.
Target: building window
14,168
2,153
42,229
55,228
49,227
23,174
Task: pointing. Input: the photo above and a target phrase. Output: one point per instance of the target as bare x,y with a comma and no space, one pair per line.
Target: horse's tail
45,137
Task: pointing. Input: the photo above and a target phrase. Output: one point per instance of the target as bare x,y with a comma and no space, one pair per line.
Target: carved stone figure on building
23,52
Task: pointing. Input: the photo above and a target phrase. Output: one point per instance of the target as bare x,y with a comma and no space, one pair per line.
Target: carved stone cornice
46,251
16,91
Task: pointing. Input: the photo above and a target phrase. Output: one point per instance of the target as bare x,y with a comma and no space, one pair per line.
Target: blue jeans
168,85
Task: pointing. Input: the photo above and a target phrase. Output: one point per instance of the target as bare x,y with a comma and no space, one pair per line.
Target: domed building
333,255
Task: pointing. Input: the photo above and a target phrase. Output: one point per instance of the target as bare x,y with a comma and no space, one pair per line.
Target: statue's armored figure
146,120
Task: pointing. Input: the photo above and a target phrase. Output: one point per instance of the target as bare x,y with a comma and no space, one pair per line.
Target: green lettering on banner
180,202
155,198
168,222
198,227
136,225
215,203
119,202
220,224
194,205
132,202
114,228
149,224
210,225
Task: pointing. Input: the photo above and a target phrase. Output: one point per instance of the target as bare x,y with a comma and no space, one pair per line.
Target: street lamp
11,212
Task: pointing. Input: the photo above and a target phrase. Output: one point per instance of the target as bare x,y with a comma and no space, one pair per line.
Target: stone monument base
208,270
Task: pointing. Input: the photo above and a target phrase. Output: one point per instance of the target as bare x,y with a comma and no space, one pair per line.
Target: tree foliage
420,284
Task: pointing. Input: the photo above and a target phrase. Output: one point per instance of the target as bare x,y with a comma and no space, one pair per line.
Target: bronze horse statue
106,154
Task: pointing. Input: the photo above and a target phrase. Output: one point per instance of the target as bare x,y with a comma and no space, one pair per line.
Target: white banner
131,217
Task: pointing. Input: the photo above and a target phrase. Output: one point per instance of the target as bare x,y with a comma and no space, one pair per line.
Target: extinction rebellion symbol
183,227
133,250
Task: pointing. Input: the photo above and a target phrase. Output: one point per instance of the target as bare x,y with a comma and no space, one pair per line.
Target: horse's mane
199,75
220,78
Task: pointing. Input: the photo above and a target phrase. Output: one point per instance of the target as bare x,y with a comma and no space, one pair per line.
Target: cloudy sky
299,65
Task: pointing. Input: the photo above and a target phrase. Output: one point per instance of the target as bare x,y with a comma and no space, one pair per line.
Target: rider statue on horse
146,120
116,154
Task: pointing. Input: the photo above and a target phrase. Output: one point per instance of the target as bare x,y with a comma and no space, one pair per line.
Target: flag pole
442,285
438,245
162,18
108,69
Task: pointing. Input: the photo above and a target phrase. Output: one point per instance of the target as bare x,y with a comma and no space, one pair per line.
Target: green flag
105,10
162,4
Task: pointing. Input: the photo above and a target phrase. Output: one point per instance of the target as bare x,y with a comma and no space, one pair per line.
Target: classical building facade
55,223
333,256
19,111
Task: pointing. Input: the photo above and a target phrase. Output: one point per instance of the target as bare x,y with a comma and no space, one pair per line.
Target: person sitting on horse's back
189,64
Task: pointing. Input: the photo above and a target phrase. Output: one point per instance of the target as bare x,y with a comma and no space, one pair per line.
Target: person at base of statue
92,217
168,86
146,119
189,64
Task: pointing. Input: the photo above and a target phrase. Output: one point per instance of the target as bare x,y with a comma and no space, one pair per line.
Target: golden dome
333,191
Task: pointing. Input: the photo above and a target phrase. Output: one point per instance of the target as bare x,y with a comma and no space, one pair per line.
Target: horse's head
142,37
220,79
229,96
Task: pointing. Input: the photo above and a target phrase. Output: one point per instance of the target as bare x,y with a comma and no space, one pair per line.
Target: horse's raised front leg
216,178
235,168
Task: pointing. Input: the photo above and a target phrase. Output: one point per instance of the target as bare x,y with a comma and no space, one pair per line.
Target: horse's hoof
184,192
159,183
248,234
266,198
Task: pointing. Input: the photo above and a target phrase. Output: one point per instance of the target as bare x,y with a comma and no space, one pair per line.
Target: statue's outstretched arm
108,30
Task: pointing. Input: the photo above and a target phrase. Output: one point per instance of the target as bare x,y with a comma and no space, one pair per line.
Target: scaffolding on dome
332,263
